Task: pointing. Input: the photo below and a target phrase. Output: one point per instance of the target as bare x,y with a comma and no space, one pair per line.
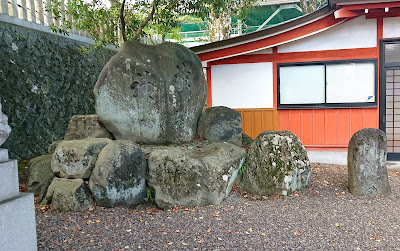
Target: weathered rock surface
53,146
119,177
196,177
367,167
68,195
4,127
221,124
151,94
247,141
276,164
40,176
86,126
76,158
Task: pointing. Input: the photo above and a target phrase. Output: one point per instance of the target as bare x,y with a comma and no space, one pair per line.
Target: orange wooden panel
256,121
284,120
319,127
356,120
344,127
295,122
371,118
247,123
307,127
331,126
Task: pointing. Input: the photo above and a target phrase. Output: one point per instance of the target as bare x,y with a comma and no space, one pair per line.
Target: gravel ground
324,216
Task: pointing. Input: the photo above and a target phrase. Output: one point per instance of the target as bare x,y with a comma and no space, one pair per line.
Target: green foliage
133,20
148,195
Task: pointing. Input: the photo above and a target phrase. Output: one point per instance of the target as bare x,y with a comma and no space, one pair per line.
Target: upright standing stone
17,211
151,94
367,163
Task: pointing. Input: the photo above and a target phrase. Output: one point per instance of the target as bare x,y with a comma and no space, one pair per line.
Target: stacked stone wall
45,79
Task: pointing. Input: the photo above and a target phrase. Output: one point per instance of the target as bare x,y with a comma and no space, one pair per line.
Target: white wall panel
242,85
357,33
391,27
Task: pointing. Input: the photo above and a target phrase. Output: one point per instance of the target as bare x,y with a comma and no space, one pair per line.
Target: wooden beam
344,12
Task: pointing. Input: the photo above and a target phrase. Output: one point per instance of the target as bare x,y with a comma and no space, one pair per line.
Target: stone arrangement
277,164
367,170
154,95
17,211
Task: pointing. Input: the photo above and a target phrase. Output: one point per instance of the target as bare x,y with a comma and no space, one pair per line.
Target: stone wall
45,79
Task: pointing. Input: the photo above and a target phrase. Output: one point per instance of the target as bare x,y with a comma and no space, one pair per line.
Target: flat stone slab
9,180
17,223
3,154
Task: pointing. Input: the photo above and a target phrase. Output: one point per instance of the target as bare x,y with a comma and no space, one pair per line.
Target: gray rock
53,146
68,195
40,176
86,126
76,158
119,177
151,94
247,141
196,177
367,163
4,127
221,124
277,164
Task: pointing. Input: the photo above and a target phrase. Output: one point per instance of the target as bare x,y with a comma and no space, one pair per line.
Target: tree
309,6
121,19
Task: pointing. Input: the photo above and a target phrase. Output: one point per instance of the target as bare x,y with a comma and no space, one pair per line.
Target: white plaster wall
356,33
242,85
391,27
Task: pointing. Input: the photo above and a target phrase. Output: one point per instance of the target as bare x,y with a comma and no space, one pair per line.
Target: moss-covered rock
181,176
119,177
221,124
40,175
86,126
68,195
277,164
76,158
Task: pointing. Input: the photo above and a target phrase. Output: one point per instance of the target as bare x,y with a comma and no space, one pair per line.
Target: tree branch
144,23
122,18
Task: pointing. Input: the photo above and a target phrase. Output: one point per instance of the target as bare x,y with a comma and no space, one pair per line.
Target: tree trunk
220,26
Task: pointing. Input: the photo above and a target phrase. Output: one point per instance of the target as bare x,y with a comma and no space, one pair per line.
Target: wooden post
49,16
4,7
40,12
33,11
24,10
14,6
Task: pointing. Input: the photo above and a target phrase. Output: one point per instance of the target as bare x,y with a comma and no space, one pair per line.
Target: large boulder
76,158
193,177
277,164
86,126
367,170
247,141
40,175
68,195
4,127
221,124
151,94
119,177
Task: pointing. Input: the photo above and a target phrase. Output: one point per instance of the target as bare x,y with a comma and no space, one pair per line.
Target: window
332,84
